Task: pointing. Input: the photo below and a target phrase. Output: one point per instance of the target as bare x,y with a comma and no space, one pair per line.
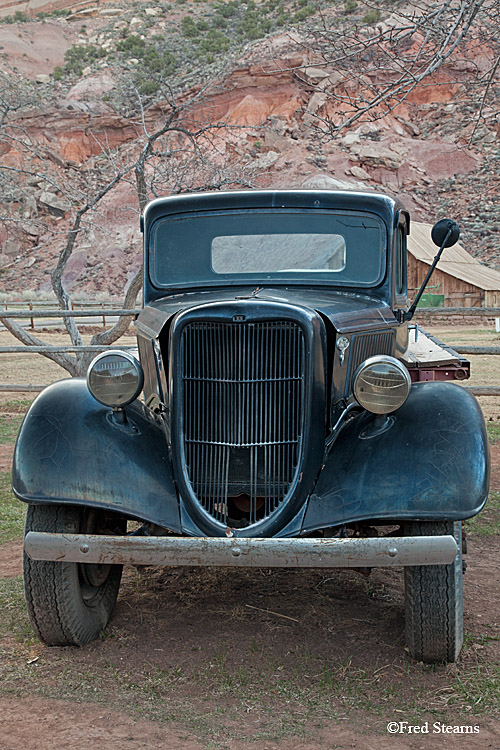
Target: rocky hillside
278,91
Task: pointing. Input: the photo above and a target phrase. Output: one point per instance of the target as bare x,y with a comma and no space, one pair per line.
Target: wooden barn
460,278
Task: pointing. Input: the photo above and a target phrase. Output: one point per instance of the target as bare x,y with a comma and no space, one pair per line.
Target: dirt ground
282,659
67,726
176,621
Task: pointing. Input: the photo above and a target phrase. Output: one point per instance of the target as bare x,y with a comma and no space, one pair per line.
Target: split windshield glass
285,246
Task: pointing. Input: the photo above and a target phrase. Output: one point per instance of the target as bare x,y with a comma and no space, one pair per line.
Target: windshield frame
295,278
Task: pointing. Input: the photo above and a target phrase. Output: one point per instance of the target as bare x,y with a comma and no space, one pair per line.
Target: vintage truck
284,420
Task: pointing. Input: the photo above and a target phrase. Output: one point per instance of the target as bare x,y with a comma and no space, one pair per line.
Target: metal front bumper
242,552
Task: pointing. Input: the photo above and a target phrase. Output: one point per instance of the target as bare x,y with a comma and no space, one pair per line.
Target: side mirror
444,234
440,230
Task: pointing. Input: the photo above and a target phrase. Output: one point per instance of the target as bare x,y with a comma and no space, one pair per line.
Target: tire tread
55,606
434,601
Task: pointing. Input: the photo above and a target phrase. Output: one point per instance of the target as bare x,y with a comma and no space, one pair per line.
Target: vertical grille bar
364,346
243,395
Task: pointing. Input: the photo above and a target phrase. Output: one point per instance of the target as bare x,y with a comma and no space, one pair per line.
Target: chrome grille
243,395
364,346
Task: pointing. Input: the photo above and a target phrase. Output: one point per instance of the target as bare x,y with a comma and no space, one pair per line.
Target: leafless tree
374,68
175,150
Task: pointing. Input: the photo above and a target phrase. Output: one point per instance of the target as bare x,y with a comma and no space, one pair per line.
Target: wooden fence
93,312
32,312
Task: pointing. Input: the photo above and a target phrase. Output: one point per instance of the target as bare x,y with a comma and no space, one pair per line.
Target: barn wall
492,299
457,293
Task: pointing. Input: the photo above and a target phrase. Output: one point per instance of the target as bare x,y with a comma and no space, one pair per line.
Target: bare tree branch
378,71
172,152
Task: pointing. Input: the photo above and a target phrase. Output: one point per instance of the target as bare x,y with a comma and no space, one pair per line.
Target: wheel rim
92,575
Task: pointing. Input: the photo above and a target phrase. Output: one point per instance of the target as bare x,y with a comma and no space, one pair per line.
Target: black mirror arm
408,315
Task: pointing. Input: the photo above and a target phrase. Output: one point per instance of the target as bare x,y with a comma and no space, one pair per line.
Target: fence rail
26,349
483,390
493,312
98,312
20,388
94,312
466,349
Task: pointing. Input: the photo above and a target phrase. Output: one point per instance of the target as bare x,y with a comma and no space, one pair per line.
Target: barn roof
455,260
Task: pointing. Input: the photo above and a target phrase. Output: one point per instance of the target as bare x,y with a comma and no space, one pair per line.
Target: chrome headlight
381,384
115,378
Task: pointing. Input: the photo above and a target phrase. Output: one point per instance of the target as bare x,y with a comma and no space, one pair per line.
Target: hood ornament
342,345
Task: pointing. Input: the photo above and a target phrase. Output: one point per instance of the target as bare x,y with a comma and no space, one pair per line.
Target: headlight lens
115,378
381,384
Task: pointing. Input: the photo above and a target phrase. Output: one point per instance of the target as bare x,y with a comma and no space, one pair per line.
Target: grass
480,686
16,405
9,427
487,523
11,415
14,621
493,429
12,512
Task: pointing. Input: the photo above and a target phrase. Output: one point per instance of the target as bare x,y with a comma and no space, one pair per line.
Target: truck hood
345,310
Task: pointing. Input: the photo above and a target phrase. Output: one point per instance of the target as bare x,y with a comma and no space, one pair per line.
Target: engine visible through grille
243,396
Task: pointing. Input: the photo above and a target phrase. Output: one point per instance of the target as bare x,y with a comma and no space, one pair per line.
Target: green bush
219,22
162,62
372,16
227,9
305,12
350,6
148,88
215,42
188,27
133,45
254,25
79,56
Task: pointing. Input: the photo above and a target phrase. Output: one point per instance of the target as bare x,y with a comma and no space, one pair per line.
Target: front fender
431,462
69,450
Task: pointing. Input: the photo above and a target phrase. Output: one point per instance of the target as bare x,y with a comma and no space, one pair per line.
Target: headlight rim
132,360
381,359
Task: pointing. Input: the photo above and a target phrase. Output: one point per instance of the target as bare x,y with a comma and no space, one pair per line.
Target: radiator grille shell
242,400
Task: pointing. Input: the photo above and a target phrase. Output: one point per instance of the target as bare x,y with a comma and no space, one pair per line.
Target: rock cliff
277,97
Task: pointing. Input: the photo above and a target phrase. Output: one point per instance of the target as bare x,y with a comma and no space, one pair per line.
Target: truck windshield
278,246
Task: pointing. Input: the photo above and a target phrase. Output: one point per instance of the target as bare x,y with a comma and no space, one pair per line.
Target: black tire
69,604
434,600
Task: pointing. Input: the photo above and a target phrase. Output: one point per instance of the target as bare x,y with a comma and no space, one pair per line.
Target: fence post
32,325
